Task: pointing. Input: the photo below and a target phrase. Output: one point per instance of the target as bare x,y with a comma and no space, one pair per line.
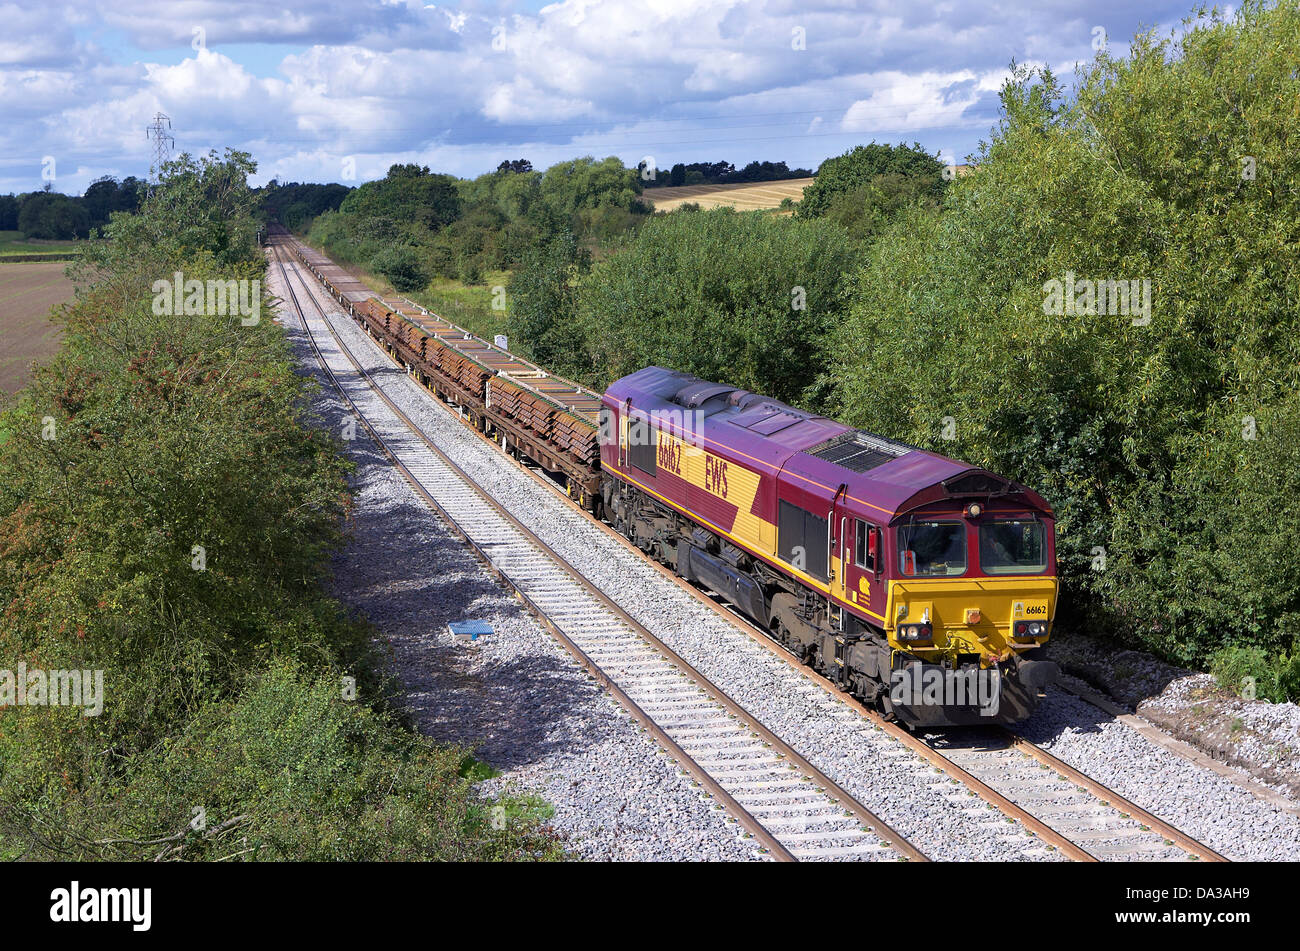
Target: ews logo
715,476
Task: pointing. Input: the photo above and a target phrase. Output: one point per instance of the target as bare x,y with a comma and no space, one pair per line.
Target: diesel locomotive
923,586
905,577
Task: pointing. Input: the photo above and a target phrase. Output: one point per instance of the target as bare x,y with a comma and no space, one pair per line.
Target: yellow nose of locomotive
990,617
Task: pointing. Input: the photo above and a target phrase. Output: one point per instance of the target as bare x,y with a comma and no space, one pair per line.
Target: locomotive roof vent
977,483
699,391
859,451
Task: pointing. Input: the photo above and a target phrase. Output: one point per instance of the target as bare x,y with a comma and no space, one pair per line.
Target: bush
403,267
1251,672
471,270
286,770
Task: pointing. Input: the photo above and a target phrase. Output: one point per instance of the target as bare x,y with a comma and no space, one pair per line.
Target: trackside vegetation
1167,441
167,516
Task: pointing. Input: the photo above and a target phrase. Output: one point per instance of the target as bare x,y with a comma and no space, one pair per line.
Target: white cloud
410,81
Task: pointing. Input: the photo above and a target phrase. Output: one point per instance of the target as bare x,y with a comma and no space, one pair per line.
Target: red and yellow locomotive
902,575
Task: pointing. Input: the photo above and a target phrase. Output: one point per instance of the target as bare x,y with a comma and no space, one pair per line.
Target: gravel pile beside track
1201,803
1256,736
942,818
1263,738
517,696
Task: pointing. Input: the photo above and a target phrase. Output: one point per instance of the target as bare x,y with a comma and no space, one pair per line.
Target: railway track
791,809
1064,809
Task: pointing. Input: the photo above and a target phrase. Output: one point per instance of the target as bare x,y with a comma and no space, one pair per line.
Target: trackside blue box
469,630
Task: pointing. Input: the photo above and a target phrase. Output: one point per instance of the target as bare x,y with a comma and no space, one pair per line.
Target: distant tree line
415,224
718,173
51,215
295,205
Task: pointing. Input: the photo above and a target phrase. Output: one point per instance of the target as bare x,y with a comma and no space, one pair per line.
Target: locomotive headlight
1023,630
915,632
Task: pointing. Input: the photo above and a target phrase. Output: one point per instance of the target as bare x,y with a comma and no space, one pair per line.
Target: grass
13,243
467,305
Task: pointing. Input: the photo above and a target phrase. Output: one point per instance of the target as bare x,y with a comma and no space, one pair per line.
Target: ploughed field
750,196
28,289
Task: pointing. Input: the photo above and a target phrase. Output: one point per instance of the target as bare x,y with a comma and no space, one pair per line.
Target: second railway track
792,809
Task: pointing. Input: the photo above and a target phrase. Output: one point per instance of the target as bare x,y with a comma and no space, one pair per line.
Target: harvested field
752,196
27,292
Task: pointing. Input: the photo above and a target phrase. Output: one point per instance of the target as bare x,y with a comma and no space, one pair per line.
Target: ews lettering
715,476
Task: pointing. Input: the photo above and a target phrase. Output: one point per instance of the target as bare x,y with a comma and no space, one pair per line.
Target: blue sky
337,91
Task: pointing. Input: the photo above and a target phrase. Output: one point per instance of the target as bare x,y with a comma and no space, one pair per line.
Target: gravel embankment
1201,803
516,698
1260,738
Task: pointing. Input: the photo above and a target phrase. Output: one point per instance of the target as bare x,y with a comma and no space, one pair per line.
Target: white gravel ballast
515,697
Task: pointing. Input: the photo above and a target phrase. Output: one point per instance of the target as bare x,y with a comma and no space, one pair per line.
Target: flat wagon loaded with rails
530,412
867,558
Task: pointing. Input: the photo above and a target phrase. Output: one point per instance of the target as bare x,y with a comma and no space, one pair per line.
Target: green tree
403,267
409,195
737,297
52,216
543,305
870,165
586,183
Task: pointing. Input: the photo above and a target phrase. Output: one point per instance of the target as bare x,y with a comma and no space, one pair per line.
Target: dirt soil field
27,292
751,196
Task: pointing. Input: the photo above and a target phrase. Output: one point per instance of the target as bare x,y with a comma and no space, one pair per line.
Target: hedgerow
167,517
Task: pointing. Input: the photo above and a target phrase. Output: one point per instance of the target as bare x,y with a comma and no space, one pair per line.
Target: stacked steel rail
791,809
519,404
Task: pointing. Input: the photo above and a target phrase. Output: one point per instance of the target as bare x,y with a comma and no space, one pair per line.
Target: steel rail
1111,798
895,840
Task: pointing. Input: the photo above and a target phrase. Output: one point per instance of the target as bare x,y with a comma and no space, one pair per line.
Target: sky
327,90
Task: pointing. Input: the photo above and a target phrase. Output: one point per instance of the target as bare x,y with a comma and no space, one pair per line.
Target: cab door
862,547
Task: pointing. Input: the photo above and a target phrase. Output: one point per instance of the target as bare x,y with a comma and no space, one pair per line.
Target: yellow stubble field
752,196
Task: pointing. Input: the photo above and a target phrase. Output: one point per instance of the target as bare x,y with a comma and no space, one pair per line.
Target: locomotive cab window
641,445
607,435
865,553
1013,547
927,549
801,539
